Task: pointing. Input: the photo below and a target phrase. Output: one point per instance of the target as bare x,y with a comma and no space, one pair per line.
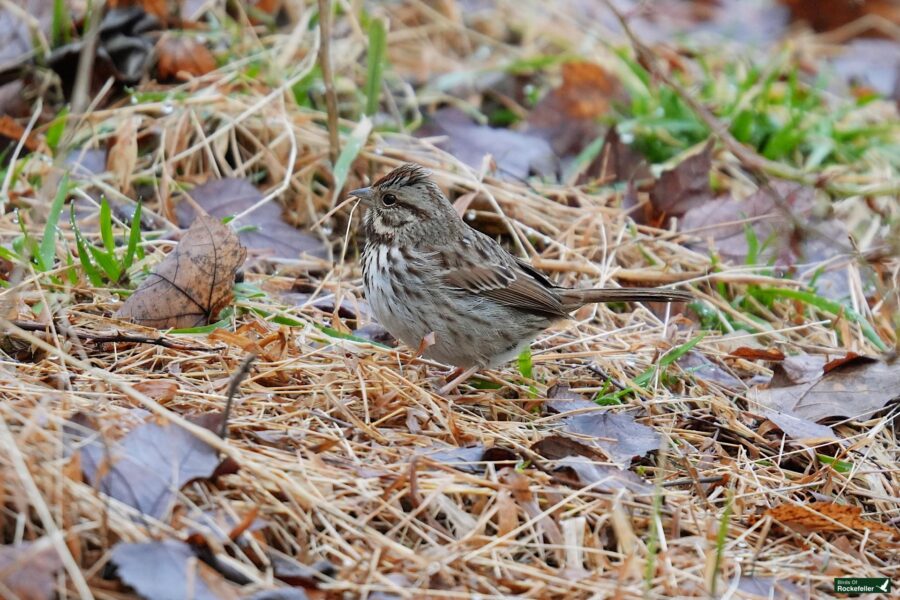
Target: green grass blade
351,149
83,254
107,262
721,538
57,129
59,26
47,250
134,238
826,305
645,377
375,61
526,367
106,231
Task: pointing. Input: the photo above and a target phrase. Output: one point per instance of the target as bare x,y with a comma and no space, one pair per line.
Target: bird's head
404,205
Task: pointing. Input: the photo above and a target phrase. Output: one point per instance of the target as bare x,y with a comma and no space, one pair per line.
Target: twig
106,338
328,78
233,386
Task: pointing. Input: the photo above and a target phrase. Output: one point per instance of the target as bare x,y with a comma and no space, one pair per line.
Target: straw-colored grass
330,433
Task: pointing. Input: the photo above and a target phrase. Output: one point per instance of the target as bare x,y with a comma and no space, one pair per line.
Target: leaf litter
194,282
147,467
263,230
331,432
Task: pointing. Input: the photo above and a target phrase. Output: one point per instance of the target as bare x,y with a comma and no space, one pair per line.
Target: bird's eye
389,199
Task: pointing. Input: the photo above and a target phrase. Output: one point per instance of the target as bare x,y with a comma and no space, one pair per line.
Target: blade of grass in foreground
354,144
375,59
48,243
644,378
829,306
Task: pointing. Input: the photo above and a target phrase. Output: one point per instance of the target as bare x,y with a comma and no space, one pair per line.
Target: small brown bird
425,270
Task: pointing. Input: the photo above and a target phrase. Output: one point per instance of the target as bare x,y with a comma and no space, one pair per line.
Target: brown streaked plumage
425,270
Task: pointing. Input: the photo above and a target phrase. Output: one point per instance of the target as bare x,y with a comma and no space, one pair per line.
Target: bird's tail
573,299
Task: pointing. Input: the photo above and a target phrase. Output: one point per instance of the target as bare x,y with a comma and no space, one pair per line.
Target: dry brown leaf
147,467
757,353
193,283
264,230
158,8
161,390
123,152
169,569
28,571
567,116
11,130
682,188
820,516
181,57
618,435
617,161
824,15
517,155
856,388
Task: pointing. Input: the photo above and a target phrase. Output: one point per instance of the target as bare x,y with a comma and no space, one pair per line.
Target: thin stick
233,386
106,338
328,77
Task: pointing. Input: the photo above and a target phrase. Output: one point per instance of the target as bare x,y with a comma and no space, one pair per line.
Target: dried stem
328,77
233,386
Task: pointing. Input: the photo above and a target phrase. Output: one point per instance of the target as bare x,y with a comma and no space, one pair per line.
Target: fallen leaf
617,161
701,367
147,467
681,189
865,66
820,516
567,116
161,390
748,353
87,162
800,429
157,8
779,218
837,362
798,368
169,569
13,132
856,388
123,153
616,434
193,283
603,477
471,459
768,588
263,230
825,15
180,58
555,447
28,570
517,155
293,572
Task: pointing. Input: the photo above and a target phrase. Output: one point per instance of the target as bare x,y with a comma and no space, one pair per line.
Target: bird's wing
488,270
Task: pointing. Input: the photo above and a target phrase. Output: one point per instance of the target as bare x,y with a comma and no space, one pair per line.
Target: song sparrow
425,270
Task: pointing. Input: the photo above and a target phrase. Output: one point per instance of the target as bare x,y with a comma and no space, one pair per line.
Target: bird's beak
364,194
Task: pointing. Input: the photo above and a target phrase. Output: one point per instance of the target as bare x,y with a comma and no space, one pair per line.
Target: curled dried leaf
182,58
193,283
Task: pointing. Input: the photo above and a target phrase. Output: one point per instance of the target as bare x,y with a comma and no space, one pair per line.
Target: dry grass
330,433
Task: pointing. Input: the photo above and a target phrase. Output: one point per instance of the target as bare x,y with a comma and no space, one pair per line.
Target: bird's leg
460,377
